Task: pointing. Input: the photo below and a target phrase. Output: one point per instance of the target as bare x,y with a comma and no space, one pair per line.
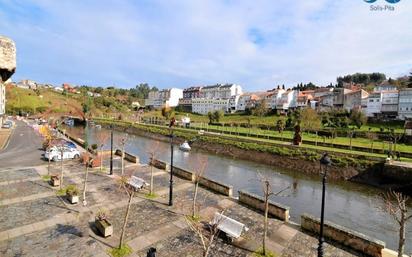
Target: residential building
390,104
188,93
353,100
205,105
339,96
303,99
287,101
164,98
384,87
69,88
374,104
405,104
276,95
220,91
233,103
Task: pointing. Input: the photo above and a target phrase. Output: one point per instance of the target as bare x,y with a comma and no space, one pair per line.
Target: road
23,150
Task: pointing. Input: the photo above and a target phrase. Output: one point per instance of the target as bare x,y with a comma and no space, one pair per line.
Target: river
355,206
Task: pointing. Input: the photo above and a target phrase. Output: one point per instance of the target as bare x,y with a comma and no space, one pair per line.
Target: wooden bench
232,228
137,183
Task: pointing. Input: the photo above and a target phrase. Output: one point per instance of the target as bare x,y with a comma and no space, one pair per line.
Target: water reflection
348,204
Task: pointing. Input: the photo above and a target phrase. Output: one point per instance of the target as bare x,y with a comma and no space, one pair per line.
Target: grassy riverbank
340,157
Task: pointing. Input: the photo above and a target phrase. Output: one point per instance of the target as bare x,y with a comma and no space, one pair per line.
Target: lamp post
325,162
172,123
111,150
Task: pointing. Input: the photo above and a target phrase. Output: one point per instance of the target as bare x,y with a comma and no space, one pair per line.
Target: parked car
54,153
70,144
7,124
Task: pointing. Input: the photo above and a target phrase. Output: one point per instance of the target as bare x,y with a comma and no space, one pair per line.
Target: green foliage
46,178
72,190
260,110
311,120
362,78
167,112
151,196
142,91
259,253
124,250
358,118
217,115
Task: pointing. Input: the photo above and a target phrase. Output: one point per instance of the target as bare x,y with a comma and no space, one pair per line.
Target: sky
257,44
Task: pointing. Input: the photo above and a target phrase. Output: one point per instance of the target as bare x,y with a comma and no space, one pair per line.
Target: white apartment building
287,100
405,104
164,98
374,104
390,103
275,97
353,100
205,105
221,91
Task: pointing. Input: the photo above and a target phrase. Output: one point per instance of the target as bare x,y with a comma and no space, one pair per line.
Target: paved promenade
37,222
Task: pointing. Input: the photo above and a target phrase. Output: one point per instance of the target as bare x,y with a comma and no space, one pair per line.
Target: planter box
55,181
73,198
104,227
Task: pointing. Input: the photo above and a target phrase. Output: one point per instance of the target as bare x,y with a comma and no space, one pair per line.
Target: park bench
137,183
232,228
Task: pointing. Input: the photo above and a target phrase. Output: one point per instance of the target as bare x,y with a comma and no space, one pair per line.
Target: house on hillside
405,104
287,101
275,96
164,98
390,104
374,105
304,98
69,88
188,94
353,100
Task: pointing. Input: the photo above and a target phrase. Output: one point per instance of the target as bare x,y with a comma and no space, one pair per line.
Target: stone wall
205,182
256,202
344,236
398,171
127,156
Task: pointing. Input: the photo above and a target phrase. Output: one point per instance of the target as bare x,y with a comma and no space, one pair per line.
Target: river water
348,204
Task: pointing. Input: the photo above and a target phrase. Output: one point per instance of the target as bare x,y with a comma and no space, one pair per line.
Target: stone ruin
7,58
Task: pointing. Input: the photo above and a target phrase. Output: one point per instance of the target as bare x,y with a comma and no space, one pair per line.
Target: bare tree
152,153
123,182
122,141
372,137
60,146
86,160
396,206
102,138
206,231
199,170
267,192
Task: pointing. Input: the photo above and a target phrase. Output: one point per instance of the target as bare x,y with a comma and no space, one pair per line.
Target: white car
54,153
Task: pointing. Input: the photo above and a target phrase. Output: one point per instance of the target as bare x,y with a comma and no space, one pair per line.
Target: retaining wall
276,210
344,236
130,157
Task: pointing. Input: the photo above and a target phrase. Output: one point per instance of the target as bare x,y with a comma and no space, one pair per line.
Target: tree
410,80
123,181
311,121
267,192
372,137
206,236
210,116
152,155
167,112
102,138
396,205
217,115
260,109
280,125
122,141
357,118
61,147
199,170
87,160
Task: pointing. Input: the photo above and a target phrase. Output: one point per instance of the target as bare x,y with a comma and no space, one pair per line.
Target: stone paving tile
69,240
17,174
303,245
22,189
24,213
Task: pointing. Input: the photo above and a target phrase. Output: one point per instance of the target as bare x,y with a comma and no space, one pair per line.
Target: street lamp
172,123
325,162
111,150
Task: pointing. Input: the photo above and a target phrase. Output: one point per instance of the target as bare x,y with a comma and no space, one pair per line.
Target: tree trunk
316,140
151,179
85,183
402,239
126,216
350,142
122,160
265,222
61,170
194,198
372,146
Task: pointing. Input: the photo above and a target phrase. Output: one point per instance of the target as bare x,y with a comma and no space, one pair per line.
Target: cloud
257,44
